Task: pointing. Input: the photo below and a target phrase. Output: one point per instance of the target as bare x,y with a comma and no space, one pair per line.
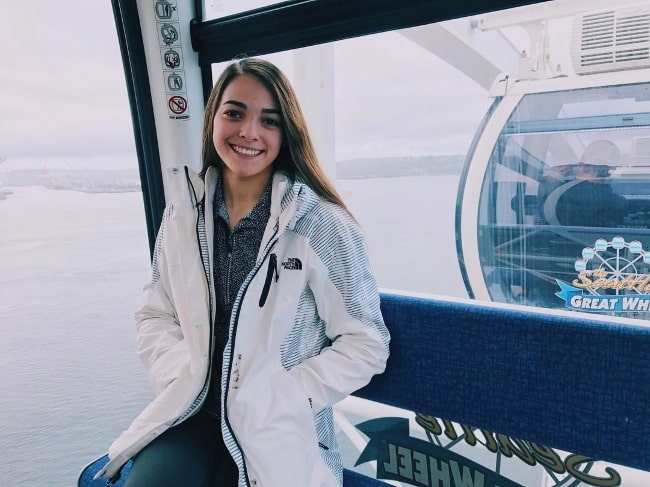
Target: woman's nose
248,130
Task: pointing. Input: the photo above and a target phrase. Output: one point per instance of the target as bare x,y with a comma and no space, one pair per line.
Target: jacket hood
295,200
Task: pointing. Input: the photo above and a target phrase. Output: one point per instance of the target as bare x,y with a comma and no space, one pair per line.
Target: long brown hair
297,156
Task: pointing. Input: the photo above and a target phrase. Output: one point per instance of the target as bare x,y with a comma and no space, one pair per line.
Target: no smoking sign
177,107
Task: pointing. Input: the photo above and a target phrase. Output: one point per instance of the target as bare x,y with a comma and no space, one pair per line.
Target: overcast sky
65,93
63,82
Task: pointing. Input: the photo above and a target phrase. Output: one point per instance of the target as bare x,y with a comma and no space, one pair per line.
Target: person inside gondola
262,311
585,197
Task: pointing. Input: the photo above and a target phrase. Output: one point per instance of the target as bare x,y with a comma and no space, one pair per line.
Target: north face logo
292,263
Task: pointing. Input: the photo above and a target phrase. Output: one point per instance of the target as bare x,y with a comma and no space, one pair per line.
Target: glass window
392,130
74,254
570,177
396,126
214,9
601,103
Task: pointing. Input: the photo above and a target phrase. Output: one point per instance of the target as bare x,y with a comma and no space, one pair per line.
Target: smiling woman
261,379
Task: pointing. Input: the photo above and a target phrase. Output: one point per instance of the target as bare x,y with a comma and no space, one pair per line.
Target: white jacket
306,330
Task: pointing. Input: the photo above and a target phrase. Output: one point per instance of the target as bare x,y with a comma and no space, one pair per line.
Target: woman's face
247,132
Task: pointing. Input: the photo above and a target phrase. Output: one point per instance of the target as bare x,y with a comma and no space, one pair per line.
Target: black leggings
191,454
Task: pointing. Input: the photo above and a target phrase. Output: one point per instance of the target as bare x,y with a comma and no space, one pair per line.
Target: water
72,267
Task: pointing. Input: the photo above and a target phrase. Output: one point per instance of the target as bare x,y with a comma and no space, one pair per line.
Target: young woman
262,311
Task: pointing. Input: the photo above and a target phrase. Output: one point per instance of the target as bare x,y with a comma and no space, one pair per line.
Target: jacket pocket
288,390
167,367
272,269
273,406
274,424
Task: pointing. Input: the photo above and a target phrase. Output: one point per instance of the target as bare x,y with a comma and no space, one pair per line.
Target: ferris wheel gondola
557,165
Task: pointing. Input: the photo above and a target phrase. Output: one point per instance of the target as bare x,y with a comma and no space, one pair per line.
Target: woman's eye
232,114
272,122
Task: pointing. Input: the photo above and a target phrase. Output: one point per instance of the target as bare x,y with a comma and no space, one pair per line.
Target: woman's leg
190,454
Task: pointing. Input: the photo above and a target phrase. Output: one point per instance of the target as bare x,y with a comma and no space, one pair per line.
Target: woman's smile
245,151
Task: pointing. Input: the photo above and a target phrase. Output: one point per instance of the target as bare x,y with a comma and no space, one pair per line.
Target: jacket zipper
231,246
272,242
273,269
200,208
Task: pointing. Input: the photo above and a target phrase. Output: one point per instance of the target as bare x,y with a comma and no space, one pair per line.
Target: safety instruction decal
171,56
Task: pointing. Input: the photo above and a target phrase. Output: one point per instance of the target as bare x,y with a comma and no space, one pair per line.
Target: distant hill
385,167
390,167
90,179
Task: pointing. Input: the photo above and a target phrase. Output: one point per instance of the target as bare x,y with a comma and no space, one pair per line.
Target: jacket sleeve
347,299
157,326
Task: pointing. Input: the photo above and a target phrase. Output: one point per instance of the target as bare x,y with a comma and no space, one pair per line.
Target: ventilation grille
611,40
641,155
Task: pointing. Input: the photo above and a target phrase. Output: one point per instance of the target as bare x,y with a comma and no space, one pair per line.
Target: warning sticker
171,57
174,81
165,10
177,107
169,34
